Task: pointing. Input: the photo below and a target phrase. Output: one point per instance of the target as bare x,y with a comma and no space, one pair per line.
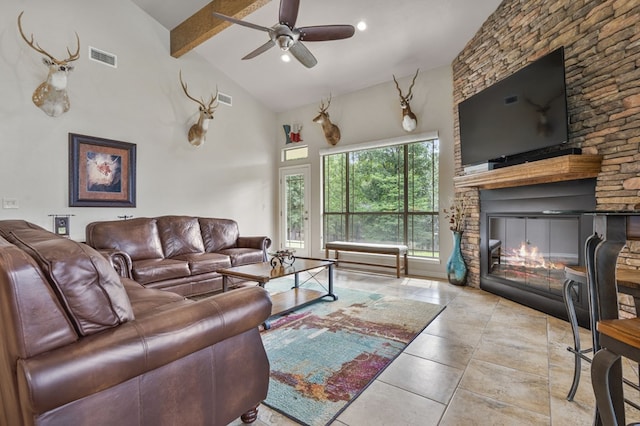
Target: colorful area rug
324,355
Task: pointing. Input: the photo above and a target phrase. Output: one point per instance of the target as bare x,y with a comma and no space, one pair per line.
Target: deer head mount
51,96
409,120
330,130
198,131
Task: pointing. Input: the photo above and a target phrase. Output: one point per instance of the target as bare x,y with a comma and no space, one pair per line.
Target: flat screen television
525,112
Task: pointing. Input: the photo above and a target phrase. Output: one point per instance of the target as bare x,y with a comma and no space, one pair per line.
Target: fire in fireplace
538,257
528,235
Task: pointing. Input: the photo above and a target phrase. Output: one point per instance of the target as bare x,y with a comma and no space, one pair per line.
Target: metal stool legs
568,289
604,363
576,276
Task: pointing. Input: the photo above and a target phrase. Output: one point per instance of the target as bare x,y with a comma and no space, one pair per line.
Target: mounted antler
409,120
51,96
198,132
331,131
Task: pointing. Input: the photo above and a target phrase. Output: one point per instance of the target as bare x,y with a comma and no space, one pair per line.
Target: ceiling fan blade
239,22
326,32
289,12
302,54
268,45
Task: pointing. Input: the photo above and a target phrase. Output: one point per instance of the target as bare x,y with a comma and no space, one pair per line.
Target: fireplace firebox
528,235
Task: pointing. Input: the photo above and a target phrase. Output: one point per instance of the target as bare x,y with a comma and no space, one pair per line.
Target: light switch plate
9,203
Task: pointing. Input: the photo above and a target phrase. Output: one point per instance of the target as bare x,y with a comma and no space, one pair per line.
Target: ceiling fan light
285,58
284,42
362,25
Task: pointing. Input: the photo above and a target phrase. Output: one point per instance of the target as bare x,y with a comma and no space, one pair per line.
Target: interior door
294,209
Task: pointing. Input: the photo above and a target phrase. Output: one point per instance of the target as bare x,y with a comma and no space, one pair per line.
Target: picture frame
102,172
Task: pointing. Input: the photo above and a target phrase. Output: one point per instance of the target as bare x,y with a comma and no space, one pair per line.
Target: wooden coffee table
289,300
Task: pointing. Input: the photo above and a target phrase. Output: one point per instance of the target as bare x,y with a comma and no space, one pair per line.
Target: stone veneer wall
602,59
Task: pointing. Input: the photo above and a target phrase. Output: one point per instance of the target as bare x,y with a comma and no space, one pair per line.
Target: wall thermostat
61,225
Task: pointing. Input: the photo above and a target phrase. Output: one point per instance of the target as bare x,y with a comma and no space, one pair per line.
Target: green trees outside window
385,195
294,204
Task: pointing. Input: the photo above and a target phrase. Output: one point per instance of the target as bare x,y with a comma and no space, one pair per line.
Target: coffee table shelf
289,300
293,299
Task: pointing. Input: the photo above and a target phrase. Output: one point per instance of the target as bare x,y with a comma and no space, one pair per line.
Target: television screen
526,111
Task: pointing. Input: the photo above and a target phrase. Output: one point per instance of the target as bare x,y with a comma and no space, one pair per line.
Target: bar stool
628,282
618,337
574,277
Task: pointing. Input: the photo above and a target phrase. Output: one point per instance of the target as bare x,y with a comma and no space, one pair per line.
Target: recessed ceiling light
285,58
362,25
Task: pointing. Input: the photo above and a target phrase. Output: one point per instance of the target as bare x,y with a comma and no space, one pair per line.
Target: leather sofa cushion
86,284
180,235
243,256
23,288
152,270
201,263
146,300
219,234
6,226
137,237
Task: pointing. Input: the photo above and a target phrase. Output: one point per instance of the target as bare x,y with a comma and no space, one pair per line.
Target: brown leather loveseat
177,253
81,345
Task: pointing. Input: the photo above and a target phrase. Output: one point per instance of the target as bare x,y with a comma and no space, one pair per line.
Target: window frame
407,215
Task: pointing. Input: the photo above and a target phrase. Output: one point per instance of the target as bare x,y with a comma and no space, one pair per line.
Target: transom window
385,195
295,153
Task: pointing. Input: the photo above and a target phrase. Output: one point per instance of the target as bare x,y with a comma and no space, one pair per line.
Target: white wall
374,114
232,175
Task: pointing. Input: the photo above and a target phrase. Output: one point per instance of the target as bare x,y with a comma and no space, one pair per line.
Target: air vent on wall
103,57
225,99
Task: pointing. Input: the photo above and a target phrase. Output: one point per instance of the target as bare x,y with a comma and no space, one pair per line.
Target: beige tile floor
483,361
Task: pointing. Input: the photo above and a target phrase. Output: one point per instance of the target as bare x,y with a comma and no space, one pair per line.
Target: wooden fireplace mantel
557,169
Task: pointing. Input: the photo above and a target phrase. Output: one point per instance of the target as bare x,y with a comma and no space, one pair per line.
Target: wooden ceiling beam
202,25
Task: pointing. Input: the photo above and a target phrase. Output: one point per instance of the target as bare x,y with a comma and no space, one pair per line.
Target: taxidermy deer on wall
198,132
51,96
331,131
409,120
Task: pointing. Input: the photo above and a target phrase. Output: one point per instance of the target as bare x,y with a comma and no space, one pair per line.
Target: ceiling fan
289,38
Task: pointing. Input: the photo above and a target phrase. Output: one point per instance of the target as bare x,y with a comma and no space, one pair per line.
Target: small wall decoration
296,128
287,132
102,172
292,132
61,224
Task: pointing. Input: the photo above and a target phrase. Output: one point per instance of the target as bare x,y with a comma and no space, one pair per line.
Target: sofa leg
250,416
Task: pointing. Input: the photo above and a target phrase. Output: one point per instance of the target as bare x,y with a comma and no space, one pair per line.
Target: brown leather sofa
177,253
81,345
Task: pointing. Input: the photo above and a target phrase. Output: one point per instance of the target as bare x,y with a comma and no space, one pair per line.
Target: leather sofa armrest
120,261
261,243
114,356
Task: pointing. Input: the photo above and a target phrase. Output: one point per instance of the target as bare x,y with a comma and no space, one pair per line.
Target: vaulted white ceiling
401,36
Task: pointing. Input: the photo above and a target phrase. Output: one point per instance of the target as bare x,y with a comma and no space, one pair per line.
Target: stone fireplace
603,97
528,234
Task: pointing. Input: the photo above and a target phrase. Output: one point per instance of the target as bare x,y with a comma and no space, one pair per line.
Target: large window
386,195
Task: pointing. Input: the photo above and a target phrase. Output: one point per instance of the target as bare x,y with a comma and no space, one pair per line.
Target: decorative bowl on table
282,258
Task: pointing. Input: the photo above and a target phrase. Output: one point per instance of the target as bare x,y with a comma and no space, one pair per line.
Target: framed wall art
102,172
